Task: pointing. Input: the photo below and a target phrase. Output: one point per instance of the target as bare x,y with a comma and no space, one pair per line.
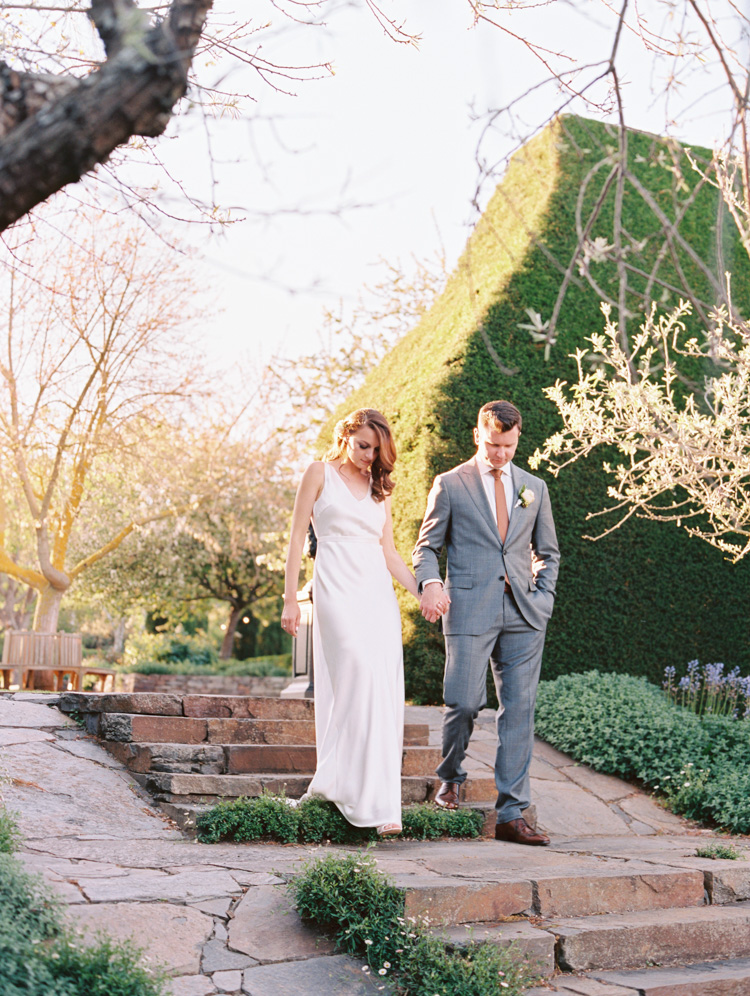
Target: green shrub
107,968
26,910
39,957
618,724
625,726
277,666
364,912
426,822
315,820
321,820
429,967
249,819
353,902
10,835
162,653
168,649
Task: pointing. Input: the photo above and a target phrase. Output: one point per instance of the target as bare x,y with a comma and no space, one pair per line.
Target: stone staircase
600,928
596,916
190,751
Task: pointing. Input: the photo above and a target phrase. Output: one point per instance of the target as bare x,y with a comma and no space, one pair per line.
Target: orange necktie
501,508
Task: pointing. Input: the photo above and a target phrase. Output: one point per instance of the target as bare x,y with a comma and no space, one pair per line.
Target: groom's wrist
432,581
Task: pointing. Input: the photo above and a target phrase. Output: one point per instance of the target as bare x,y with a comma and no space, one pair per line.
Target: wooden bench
61,653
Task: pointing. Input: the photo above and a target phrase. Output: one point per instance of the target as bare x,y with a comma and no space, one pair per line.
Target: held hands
290,617
434,602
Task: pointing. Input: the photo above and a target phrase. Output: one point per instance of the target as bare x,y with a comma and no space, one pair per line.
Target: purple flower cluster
708,691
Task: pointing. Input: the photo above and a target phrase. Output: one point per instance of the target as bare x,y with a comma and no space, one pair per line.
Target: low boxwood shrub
315,820
363,911
625,726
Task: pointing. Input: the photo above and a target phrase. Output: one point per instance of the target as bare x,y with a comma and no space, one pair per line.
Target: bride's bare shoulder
315,473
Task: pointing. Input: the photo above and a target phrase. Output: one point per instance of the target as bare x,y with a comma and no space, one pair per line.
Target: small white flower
365,968
368,941
381,971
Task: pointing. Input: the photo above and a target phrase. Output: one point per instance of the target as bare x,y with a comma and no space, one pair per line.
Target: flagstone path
620,867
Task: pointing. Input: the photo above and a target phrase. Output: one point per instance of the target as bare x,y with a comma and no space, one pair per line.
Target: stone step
175,787
301,760
523,941
633,940
196,706
217,759
126,727
129,728
721,978
715,978
523,889
93,706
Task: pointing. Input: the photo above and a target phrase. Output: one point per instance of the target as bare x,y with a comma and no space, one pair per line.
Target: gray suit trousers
514,651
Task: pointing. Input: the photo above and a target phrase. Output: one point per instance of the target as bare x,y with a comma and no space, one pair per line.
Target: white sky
391,136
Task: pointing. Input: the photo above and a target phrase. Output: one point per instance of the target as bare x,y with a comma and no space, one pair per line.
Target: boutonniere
525,497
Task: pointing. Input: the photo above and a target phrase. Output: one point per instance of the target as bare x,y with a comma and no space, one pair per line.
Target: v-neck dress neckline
340,477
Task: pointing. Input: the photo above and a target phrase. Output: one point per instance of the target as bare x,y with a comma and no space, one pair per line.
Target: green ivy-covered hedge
646,595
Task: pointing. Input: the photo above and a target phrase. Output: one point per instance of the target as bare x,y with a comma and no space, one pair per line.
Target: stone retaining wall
200,684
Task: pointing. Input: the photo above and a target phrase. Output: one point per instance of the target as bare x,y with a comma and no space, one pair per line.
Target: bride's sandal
389,830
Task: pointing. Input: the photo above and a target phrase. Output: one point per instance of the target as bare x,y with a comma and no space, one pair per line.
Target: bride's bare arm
307,493
393,559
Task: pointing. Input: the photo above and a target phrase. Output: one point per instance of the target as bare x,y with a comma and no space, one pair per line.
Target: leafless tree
95,355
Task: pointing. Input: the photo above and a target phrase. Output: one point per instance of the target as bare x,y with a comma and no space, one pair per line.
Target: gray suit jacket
459,518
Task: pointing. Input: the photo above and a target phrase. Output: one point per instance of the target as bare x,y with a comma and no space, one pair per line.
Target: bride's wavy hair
383,464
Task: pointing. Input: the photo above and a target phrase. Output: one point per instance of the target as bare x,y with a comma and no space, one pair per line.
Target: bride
359,680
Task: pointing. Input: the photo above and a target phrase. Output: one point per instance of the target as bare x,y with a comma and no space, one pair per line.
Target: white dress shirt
488,482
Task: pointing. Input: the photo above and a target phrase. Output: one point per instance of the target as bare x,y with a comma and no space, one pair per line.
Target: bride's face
362,447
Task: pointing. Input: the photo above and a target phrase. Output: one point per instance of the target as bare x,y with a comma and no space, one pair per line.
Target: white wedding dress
358,659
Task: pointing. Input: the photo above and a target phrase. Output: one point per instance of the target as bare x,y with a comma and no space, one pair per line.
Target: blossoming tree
681,455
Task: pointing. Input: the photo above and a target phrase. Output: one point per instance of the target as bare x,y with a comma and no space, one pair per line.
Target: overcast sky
390,141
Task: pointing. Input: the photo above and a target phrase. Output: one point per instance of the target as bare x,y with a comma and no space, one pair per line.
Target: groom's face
494,447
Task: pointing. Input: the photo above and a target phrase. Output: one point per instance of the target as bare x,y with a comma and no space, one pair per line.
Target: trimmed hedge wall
646,595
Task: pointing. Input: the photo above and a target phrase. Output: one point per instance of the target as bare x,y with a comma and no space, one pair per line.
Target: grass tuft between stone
274,817
719,852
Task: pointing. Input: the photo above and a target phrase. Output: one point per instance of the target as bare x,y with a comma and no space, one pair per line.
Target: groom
487,513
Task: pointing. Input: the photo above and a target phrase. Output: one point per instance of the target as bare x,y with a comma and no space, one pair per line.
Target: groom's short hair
499,415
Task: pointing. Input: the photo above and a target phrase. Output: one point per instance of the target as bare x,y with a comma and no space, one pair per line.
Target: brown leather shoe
447,795
519,832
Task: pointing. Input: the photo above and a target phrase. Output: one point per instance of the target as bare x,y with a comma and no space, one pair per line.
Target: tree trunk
132,93
227,644
45,621
48,610
119,632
